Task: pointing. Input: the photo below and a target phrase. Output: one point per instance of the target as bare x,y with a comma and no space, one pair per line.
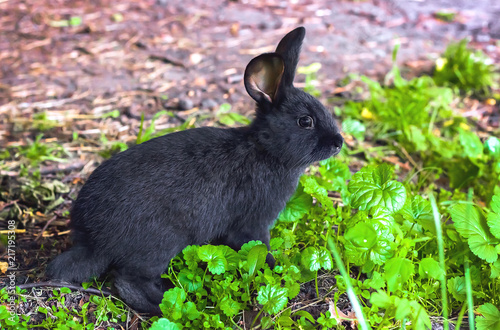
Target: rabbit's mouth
328,147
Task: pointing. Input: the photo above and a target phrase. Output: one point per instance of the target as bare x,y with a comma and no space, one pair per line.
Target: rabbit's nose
338,141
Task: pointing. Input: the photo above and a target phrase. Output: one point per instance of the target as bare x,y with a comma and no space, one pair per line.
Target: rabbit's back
186,187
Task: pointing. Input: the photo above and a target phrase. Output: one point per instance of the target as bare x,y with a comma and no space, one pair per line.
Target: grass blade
363,324
439,234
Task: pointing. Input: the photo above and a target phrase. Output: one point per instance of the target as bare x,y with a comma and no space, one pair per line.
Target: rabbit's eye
306,122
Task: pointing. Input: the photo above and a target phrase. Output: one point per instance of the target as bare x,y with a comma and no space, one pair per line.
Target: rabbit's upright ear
263,76
289,49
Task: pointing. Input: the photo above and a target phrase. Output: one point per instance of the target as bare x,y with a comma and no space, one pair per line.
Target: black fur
144,205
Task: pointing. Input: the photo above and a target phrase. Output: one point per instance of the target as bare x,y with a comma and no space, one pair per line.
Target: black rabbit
226,186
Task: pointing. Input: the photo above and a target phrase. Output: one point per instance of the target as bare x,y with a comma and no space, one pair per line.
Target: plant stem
256,317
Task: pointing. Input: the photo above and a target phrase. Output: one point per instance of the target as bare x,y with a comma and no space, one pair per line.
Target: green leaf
397,272
355,128
214,257
456,286
362,235
429,268
419,211
420,317
473,147
375,282
471,224
492,144
172,302
256,258
381,299
298,206
229,306
490,319
495,269
189,310
314,258
494,217
164,324
273,297
418,139
332,168
190,255
312,187
191,279
403,308
372,186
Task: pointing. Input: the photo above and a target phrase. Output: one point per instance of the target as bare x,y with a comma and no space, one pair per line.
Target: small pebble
185,104
208,104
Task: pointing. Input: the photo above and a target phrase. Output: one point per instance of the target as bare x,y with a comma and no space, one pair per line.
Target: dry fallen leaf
3,267
340,317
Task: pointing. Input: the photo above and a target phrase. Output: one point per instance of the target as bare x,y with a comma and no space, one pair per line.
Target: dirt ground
76,60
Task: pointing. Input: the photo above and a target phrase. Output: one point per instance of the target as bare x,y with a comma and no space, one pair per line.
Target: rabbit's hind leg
142,289
77,265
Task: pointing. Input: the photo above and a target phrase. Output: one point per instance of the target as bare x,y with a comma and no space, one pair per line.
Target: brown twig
45,228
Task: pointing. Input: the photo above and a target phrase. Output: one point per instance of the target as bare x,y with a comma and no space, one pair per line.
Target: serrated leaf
229,306
483,249
397,272
298,206
190,279
493,219
382,251
428,267
293,289
490,319
456,286
190,255
172,302
314,258
419,211
273,297
495,269
214,257
471,224
370,187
